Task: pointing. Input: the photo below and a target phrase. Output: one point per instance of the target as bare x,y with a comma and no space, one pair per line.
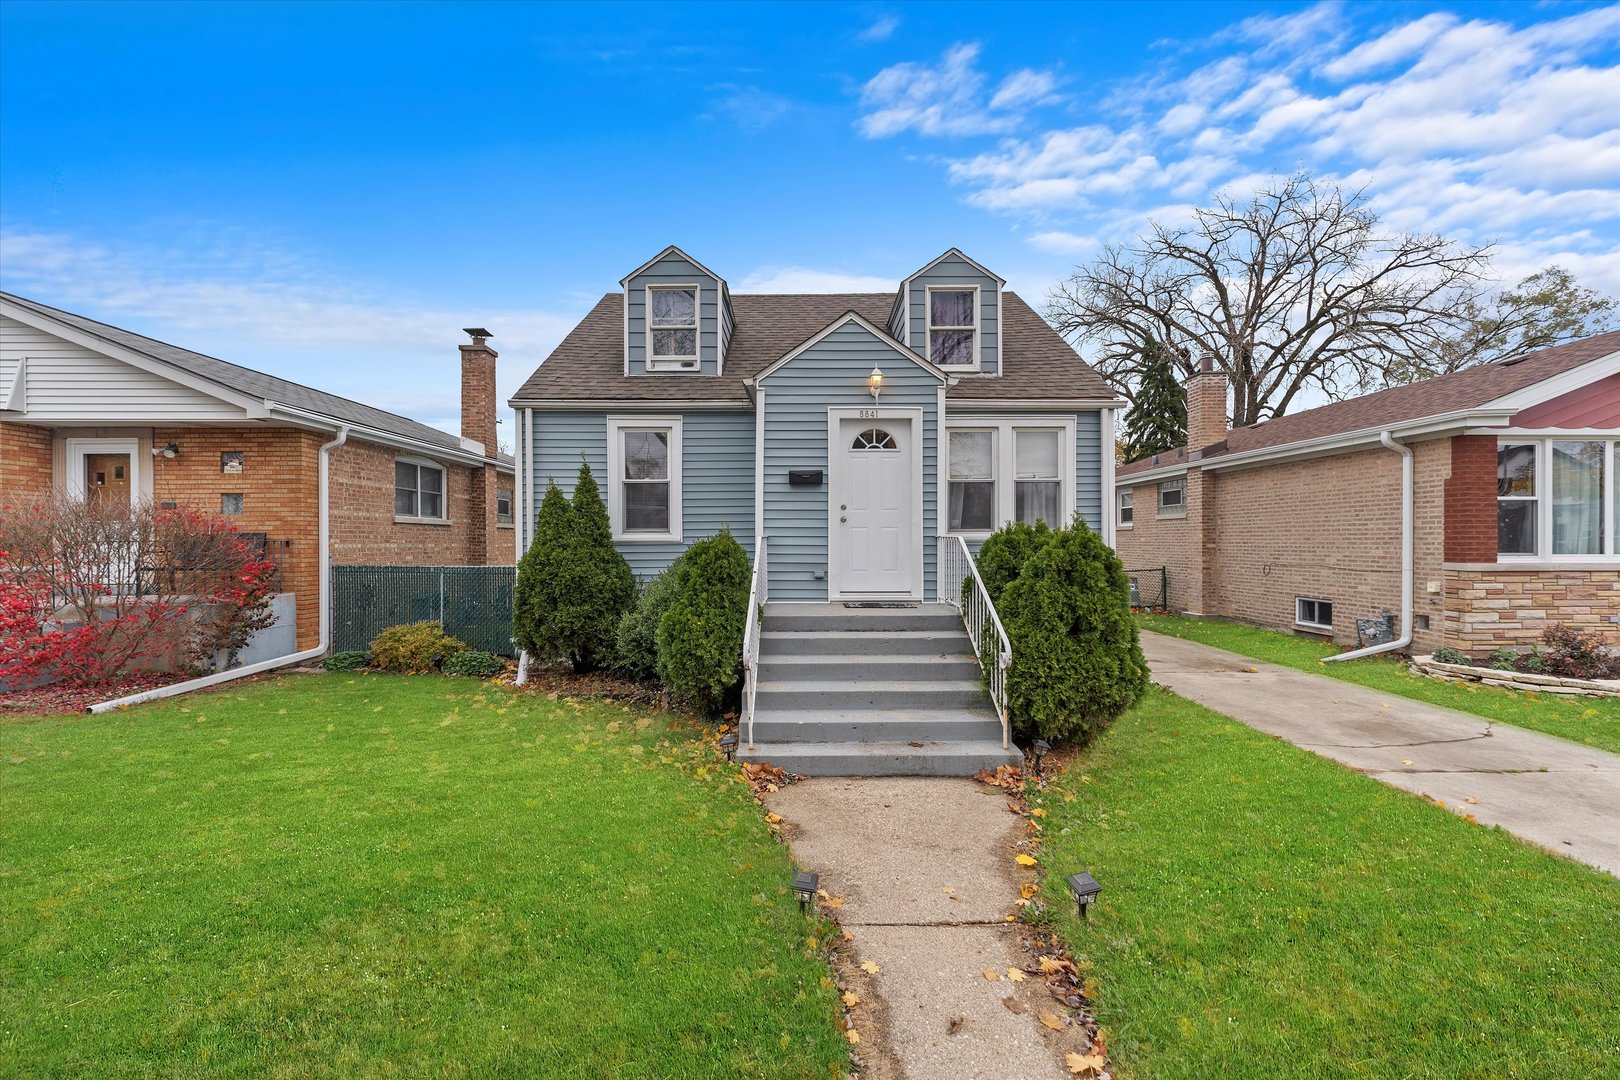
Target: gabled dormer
677,317
950,311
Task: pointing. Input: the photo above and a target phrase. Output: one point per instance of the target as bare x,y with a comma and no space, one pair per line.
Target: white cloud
268,309
804,279
881,29
1398,44
749,107
1058,242
948,99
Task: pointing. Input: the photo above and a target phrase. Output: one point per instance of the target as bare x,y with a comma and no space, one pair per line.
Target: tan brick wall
1511,608
278,485
25,458
1152,542
362,512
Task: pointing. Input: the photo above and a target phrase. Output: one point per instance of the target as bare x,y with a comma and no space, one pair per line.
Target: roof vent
1510,361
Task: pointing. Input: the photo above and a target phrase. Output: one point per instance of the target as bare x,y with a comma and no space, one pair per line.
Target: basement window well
1313,614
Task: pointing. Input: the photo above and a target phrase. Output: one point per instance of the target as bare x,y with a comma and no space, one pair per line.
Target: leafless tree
1292,290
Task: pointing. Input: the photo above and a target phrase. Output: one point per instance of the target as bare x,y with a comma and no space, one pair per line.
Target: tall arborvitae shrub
534,599
700,636
595,584
1157,421
1077,660
1004,553
635,651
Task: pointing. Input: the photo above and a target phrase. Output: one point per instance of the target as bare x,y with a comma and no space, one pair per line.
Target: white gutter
376,435
1406,559
322,604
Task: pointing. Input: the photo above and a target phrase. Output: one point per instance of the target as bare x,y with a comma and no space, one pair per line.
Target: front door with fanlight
874,554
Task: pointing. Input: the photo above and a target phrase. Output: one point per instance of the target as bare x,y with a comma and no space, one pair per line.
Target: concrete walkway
925,869
1551,792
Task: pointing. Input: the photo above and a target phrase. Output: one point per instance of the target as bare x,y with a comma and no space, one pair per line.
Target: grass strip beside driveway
1590,721
384,876
1266,912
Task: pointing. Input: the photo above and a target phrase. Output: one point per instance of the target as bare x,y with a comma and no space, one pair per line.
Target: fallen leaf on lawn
1051,1021
853,1036
870,968
1038,812
1014,807
1050,964
773,819
1251,670
1013,1005
1025,860
823,894
1015,975
992,975
1028,889
835,901
1471,819
1472,801
851,999
1012,918
1080,1064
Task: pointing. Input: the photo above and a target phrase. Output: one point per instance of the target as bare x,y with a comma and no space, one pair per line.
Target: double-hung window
418,490
644,460
1127,510
953,336
973,481
1038,495
1555,498
672,327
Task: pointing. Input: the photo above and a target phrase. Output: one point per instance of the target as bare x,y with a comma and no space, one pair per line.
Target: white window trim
1119,506
1003,464
1302,623
1608,514
677,365
1158,498
616,427
444,492
995,474
79,449
929,327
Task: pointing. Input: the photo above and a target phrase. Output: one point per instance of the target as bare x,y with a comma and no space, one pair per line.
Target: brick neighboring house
84,405
1297,523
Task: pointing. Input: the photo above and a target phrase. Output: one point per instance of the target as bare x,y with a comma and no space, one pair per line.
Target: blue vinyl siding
1088,493
832,373
717,475
954,271
672,269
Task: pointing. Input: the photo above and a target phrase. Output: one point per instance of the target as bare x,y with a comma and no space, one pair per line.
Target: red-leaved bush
90,589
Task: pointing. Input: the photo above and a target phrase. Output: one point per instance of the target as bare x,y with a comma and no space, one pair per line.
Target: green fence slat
475,602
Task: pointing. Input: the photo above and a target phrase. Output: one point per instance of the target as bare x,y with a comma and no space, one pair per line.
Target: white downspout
323,605
1405,638
527,484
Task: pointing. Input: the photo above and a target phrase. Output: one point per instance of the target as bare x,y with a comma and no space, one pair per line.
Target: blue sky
329,192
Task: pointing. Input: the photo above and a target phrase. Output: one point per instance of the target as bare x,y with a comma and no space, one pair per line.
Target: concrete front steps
872,692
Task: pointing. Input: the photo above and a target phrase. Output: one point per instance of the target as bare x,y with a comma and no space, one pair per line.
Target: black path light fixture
804,887
728,744
1042,748
1085,890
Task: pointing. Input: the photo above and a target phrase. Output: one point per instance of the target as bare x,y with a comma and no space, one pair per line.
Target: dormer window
953,334
673,317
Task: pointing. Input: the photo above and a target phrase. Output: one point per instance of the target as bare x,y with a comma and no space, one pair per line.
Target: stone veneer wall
1493,607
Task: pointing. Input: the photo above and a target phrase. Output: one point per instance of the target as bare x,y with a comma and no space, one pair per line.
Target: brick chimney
1206,406
478,425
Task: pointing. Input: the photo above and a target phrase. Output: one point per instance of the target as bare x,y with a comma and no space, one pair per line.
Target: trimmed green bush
346,661
535,595
414,648
700,636
475,662
1003,555
1077,660
595,585
635,651
1447,655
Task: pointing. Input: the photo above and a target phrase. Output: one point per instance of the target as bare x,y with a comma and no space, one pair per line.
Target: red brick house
1477,508
84,405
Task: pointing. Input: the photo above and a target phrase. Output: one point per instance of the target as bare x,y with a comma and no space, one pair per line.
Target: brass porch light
874,382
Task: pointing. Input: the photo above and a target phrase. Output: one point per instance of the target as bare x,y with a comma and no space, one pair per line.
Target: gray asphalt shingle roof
248,381
589,363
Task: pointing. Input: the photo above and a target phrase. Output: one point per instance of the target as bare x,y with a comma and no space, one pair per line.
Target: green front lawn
1266,912
383,876
1593,721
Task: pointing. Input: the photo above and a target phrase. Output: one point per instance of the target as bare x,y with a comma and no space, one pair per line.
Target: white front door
876,536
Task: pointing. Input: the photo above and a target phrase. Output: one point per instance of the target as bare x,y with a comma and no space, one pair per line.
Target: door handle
843,519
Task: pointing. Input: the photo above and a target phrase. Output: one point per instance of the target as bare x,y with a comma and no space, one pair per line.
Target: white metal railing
757,590
956,567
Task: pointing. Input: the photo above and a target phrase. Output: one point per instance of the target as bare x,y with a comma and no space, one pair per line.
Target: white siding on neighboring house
67,383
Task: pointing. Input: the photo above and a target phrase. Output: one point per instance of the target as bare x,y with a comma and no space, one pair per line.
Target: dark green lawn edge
1592,722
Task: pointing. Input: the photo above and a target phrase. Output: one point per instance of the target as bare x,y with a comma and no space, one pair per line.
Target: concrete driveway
1558,794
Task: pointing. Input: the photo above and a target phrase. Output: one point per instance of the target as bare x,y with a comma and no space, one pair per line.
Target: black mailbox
804,477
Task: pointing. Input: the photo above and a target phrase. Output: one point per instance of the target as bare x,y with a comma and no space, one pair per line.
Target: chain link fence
1150,588
473,602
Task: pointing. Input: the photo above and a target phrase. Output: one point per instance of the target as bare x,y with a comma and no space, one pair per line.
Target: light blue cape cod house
851,438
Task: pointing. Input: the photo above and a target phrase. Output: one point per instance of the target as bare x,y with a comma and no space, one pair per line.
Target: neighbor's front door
107,478
876,533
